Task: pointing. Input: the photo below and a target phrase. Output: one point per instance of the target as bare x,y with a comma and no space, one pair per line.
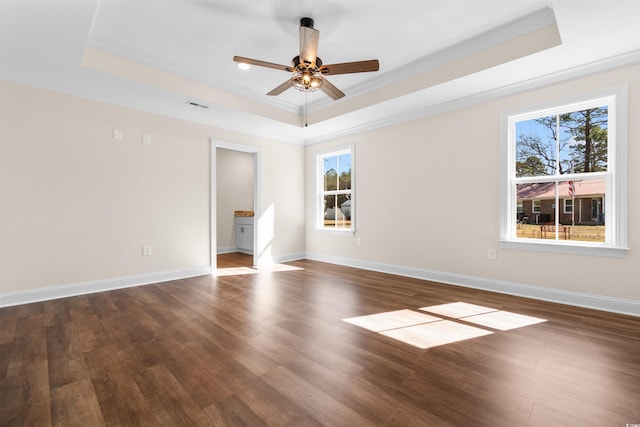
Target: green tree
345,180
535,146
589,129
331,180
531,166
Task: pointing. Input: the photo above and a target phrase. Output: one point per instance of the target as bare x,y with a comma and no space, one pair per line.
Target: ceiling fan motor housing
306,22
296,62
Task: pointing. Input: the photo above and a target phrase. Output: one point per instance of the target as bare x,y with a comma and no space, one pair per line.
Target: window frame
565,203
320,193
615,244
536,206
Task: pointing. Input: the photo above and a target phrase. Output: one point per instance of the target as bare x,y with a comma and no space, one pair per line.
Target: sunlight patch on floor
458,309
503,320
391,320
237,271
436,333
426,331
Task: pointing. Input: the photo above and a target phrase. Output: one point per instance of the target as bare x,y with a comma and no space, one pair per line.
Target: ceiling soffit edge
543,19
225,85
132,70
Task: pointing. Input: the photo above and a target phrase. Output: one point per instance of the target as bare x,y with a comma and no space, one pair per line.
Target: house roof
546,190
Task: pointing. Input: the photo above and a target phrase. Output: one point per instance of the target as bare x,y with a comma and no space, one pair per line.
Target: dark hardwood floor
271,349
234,259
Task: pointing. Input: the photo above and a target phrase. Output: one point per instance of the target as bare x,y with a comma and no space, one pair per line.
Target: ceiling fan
308,70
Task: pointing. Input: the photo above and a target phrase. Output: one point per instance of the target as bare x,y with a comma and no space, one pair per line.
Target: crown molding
620,61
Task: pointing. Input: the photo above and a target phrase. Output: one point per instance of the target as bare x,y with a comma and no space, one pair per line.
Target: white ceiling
156,55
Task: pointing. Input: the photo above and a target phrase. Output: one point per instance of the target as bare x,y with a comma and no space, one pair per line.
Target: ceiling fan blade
262,63
332,91
351,67
278,90
309,37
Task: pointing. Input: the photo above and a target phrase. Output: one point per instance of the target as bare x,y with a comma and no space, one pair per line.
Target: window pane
536,147
330,172
589,219
344,172
337,212
587,150
537,201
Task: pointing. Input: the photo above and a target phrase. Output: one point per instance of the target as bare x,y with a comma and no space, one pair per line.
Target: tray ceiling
159,55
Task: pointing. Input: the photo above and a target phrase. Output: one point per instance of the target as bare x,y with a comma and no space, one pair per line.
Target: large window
335,190
565,177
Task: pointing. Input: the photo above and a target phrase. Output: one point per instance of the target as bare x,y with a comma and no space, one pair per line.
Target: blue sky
531,127
332,163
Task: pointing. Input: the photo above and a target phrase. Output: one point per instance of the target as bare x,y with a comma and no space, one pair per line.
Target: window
335,190
568,206
564,169
536,206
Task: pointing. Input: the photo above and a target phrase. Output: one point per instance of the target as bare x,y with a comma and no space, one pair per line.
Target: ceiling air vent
197,104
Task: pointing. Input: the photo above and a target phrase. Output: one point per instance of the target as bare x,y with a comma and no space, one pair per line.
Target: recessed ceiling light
243,66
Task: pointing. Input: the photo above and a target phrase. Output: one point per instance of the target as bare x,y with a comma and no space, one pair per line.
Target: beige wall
427,199
234,192
77,205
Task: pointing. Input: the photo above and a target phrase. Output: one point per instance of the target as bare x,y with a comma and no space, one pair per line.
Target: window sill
565,248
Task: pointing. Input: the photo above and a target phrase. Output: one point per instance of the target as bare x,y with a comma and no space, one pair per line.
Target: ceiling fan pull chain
306,109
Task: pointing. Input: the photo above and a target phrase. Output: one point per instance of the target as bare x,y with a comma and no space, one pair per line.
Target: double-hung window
564,176
336,207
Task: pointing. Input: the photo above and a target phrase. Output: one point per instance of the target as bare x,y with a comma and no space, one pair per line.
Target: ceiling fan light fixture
306,80
308,72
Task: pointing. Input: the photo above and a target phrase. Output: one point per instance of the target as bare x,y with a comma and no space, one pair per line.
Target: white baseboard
54,292
288,258
8,299
226,250
598,302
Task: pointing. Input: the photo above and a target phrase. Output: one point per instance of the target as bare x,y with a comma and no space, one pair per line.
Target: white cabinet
244,234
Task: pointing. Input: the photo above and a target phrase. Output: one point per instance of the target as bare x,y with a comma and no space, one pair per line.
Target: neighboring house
341,214
537,202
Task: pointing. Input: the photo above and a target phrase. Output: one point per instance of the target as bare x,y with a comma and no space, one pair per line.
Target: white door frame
257,179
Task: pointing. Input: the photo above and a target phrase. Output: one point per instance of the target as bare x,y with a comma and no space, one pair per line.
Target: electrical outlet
146,251
146,139
491,254
358,241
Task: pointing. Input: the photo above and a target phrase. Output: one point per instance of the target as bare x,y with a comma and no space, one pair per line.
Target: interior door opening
235,189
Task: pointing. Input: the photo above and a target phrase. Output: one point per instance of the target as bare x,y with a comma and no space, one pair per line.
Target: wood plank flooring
271,349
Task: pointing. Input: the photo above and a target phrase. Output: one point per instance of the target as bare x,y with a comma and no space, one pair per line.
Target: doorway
226,222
